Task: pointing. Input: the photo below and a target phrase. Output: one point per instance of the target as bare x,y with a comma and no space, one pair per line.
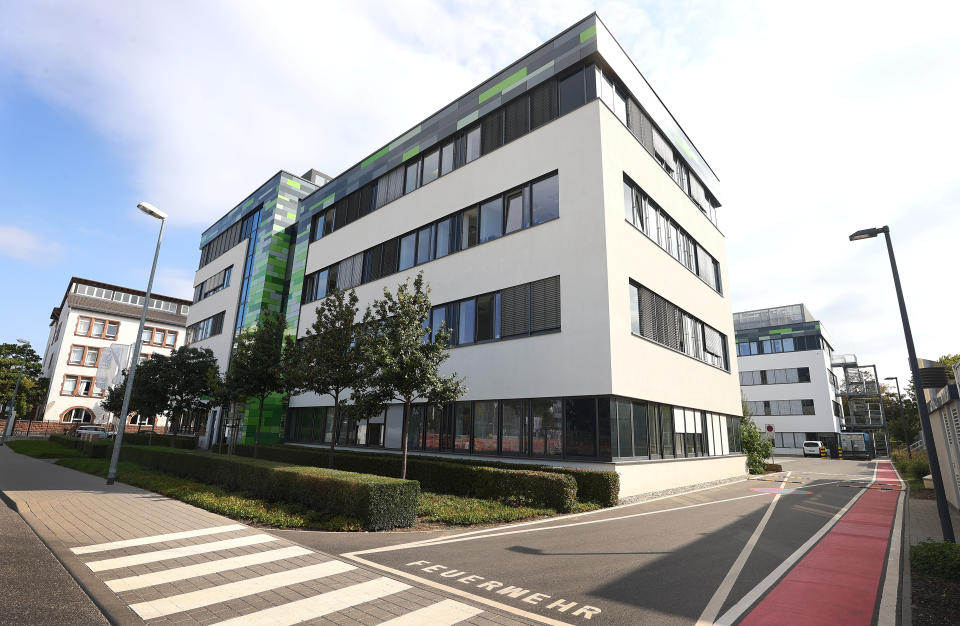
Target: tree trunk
175,422
335,434
256,439
403,434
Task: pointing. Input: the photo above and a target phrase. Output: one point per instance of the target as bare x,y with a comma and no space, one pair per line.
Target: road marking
781,491
202,569
142,541
890,596
458,592
175,553
319,605
458,538
221,593
713,607
444,613
738,609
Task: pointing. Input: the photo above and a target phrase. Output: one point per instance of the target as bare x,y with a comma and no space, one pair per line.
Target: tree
256,366
150,396
330,359
754,444
902,423
406,354
948,361
11,360
187,374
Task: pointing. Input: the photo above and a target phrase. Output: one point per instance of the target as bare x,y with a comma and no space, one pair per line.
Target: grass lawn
43,449
433,508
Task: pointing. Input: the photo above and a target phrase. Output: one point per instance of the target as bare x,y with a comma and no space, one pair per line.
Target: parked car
812,448
95,432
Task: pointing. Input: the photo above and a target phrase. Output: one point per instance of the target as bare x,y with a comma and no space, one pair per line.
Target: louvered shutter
515,311
383,190
545,304
389,257
543,104
648,314
340,214
664,150
348,272
646,131
516,118
491,132
366,198
395,184
698,193
353,207
713,341
635,119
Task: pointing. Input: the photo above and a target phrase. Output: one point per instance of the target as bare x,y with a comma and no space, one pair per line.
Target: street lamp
8,431
945,525
903,415
152,211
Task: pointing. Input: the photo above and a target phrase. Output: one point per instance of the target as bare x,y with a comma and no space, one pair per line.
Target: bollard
823,452
840,453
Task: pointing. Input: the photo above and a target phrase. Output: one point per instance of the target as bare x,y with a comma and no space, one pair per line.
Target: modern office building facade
92,320
567,228
786,376
944,407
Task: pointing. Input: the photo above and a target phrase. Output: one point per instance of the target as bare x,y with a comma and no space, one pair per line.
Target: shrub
919,466
757,448
379,502
93,448
144,439
936,558
532,487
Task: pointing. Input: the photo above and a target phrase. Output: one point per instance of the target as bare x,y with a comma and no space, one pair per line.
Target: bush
93,448
530,487
380,503
144,439
936,558
757,448
919,466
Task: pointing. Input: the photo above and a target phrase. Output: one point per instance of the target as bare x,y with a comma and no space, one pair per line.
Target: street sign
770,428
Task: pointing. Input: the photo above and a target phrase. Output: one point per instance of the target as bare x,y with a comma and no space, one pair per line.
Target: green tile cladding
516,77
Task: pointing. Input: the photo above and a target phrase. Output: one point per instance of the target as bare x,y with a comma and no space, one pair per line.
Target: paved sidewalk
145,557
925,521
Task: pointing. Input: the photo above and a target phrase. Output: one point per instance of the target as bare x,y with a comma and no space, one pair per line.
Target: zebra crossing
233,575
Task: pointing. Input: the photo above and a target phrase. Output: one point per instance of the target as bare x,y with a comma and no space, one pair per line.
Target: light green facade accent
468,119
412,152
292,183
781,331
503,84
588,33
373,157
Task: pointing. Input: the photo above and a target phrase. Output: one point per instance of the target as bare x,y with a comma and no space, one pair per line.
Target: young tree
756,446
150,396
11,360
187,374
256,366
330,359
406,354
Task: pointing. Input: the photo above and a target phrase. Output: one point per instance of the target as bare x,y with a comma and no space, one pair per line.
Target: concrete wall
649,476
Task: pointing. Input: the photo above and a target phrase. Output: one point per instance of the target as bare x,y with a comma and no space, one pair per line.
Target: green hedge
144,439
936,558
518,484
94,448
380,503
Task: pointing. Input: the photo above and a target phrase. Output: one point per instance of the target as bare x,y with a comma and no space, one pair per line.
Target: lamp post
903,416
152,211
945,525
8,431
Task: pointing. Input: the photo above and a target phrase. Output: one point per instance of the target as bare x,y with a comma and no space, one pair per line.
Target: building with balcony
568,229
96,322
786,377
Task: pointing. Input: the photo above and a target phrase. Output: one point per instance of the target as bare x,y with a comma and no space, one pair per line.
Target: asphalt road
674,560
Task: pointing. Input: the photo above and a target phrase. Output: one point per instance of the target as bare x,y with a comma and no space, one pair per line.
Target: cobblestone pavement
145,557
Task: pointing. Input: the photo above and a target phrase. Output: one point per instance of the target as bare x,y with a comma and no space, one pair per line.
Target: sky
819,118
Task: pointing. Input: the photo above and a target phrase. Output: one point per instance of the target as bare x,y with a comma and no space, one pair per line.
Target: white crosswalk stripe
142,541
320,605
202,569
354,594
443,613
229,591
176,553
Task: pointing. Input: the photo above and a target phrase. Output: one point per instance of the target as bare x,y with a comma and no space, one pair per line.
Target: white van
93,432
812,448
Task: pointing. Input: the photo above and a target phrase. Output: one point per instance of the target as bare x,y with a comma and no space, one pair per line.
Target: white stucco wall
224,300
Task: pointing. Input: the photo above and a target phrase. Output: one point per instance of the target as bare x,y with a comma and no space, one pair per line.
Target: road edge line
896,580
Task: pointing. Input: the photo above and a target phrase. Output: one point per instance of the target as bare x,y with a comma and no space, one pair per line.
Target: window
572,92
412,177
466,324
92,357
473,144
78,415
581,427
171,339
84,386
514,427
147,337
217,282
425,245
83,326
77,386
515,219
431,167
546,419
69,386
470,228
546,200
97,328
488,314
444,237
491,220
111,332
485,426
407,251
463,423
204,329
76,355
446,158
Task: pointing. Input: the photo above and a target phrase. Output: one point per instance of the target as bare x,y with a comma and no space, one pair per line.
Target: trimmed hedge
380,503
143,439
94,448
936,558
521,485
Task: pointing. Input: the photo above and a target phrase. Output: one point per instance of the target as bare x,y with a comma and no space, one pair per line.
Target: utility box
857,446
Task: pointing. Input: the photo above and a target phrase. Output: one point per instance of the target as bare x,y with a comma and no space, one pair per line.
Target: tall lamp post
152,211
945,525
903,415
8,431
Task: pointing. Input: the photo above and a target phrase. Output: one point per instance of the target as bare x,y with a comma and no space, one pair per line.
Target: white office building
567,227
784,357
92,319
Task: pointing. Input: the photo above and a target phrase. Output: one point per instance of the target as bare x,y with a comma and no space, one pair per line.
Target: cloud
23,245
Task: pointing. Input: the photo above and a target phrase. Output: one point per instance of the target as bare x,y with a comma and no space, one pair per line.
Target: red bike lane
837,582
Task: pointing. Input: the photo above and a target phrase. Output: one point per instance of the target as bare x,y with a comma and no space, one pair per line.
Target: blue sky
819,119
